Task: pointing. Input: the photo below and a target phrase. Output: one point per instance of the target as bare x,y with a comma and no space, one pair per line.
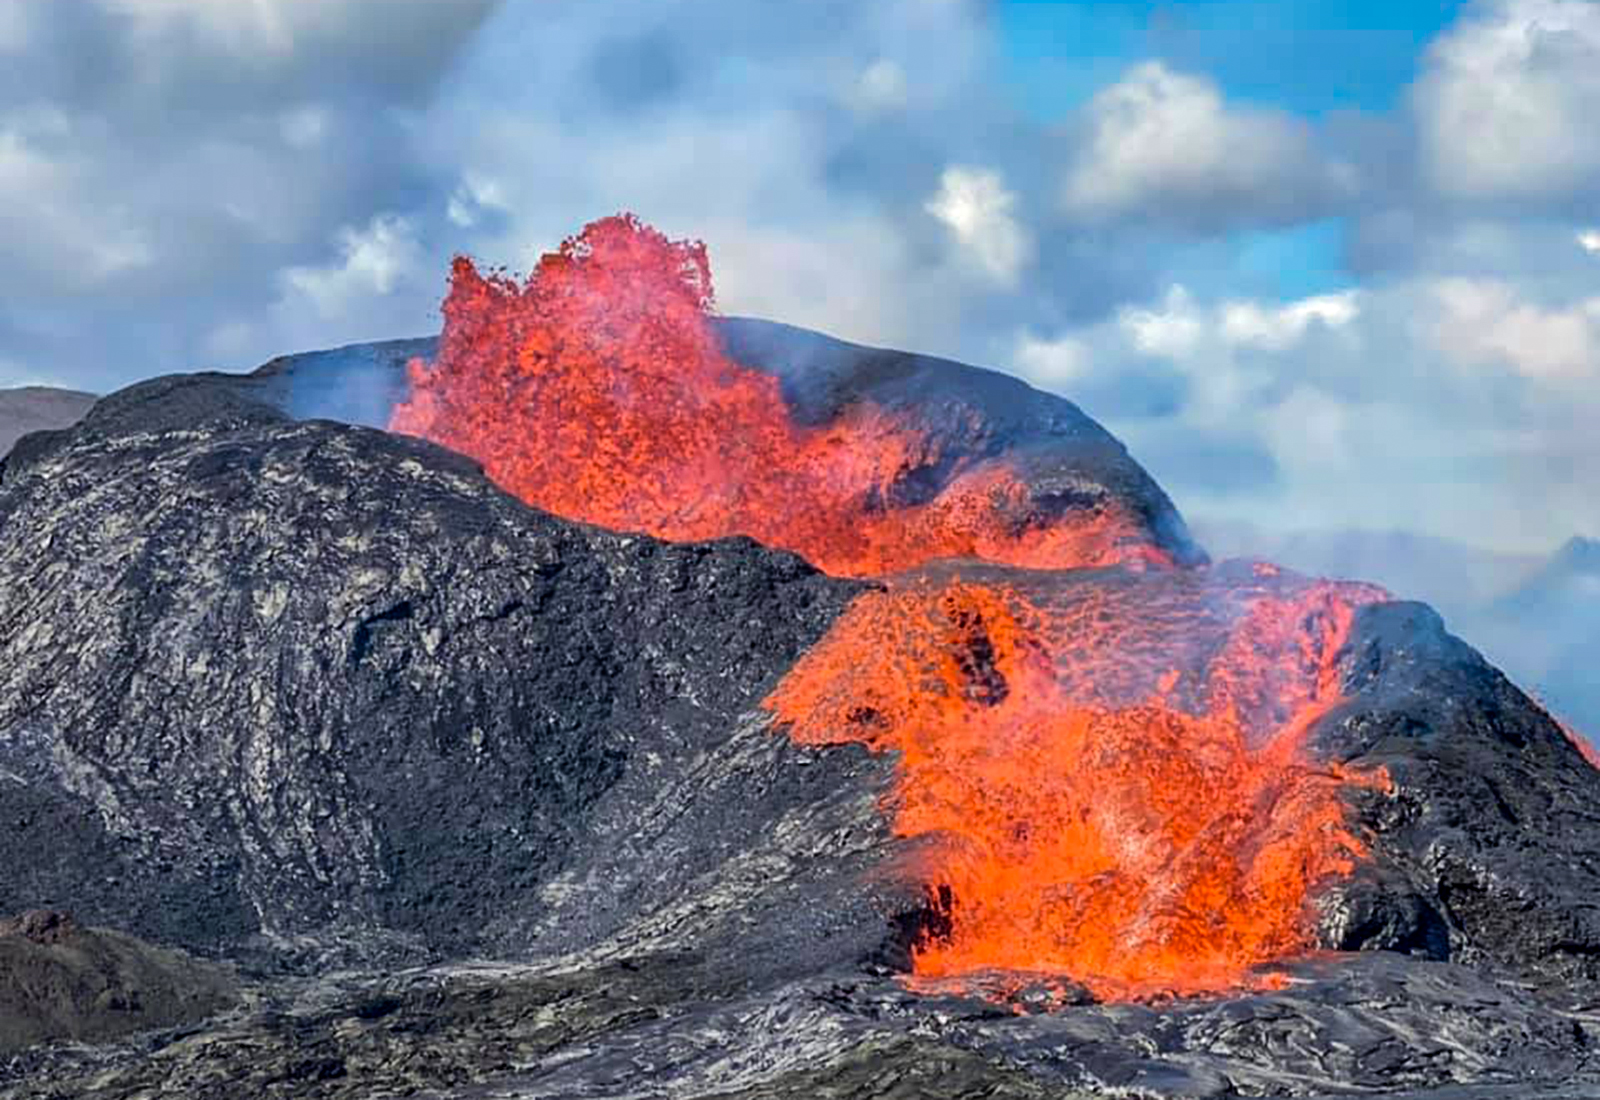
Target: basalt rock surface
322,702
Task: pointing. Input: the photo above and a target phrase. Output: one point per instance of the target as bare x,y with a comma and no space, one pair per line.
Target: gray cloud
1506,106
161,163
186,183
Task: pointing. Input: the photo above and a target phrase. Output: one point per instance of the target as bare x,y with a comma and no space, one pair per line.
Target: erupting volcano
285,691
597,390
1108,764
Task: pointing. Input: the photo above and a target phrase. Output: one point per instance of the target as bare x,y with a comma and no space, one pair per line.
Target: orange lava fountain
1112,768
597,390
1108,766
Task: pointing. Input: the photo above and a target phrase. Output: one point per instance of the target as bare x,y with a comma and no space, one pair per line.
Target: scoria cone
293,693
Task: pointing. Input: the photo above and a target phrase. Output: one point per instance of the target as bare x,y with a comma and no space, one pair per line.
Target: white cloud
15,26
1280,327
1173,331
1165,143
1589,241
1052,364
797,277
372,261
1180,326
304,127
1481,322
1459,407
44,215
1507,106
975,206
475,194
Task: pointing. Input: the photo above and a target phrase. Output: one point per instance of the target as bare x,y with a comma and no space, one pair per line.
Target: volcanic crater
611,698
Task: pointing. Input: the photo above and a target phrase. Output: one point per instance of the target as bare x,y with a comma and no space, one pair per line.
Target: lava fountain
1111,768
1103,758
597,389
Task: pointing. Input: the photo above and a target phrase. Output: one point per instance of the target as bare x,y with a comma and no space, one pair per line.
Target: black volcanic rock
1490,843
482,801
300,686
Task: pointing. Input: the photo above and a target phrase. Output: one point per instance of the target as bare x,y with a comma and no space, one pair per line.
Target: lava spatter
597,390
1112,766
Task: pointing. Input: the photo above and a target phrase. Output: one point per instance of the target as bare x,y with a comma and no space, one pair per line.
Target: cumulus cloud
1165,145
1281,327
1485,321
47,207
161,163
978,210
1058,364
476,196
1453,406
1172,330
1506,108
372,261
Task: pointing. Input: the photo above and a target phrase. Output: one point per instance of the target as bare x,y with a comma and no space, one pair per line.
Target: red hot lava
1110,766
597,389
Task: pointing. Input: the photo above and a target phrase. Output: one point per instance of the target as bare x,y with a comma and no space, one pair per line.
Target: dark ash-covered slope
61,981
299,686
304,695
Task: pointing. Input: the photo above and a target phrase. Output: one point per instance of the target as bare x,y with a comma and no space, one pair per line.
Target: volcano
610,698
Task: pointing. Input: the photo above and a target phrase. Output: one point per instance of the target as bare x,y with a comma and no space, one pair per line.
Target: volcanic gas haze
1102,754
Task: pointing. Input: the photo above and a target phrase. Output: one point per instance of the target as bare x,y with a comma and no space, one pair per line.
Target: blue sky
1319,264
1310,57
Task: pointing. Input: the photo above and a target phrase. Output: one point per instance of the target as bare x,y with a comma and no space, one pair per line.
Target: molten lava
1111,766
1585,747
598,390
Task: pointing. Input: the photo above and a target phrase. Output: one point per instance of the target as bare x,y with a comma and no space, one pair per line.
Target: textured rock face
304,684
1489,848
304,696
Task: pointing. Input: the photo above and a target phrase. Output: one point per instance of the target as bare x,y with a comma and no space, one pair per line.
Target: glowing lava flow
1111,765
597,390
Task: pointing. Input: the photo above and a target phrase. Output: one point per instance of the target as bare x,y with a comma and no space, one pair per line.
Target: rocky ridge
323,702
